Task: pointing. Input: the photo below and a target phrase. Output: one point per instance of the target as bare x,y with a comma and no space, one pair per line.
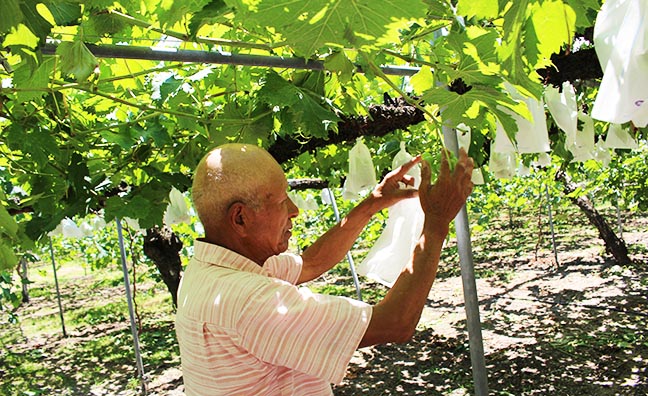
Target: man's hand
389,191
442,200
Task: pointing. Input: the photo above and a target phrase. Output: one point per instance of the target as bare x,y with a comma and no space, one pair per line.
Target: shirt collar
223,257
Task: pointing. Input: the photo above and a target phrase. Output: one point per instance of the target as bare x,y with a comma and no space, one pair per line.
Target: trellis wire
131,312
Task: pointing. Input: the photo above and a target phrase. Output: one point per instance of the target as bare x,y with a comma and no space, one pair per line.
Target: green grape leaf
104,24
64,13
585,10
78,173
456,106
512,49
33,19
20,37
552,24
10,16
483,9
76,59
210,13
169,11
304,107
124,138
155,193
8,225
8,259
340,64
169,87
309,25
244,123
33,85
135,207
158,133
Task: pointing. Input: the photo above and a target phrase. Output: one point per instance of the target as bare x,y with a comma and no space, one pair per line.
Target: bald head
228,174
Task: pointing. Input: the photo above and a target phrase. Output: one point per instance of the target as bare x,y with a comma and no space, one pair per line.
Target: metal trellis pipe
178,55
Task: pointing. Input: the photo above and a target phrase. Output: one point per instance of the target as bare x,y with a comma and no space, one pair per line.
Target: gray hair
228,174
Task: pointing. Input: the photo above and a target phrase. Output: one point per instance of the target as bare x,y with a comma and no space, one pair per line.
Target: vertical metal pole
131,311
551,226
618,213
58,293
480,376
25,279
349,256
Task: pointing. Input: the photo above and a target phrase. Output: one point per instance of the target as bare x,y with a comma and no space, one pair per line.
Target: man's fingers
445,166
426,175
403,169
408,180
465,164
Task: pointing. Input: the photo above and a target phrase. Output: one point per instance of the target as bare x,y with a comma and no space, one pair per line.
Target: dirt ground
577,328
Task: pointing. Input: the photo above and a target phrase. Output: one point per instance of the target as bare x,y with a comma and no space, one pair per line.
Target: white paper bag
394,247
403,157
618,137
563,108
327,196
543,160
362,175
502,142
523,170
177,210
477,176
602,153
502,165
532,136
302,203
583,147
464,136
69,229
621,43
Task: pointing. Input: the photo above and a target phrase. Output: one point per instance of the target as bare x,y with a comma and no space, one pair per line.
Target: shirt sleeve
285,266
312,333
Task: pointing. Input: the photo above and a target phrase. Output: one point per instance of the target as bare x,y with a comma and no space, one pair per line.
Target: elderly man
243,326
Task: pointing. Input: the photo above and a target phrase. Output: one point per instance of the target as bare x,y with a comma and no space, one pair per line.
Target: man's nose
293,209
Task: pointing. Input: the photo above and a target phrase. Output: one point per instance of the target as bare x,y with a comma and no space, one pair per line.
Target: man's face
272,223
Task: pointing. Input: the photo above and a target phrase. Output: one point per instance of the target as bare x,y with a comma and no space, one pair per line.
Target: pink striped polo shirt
244,329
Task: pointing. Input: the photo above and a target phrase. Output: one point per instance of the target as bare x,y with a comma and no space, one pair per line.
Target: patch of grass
98,352
101,313
335,290
111,280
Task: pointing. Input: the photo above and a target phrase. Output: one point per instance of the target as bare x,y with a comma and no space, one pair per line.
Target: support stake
471,302
129,299
551,226
349,256
58,293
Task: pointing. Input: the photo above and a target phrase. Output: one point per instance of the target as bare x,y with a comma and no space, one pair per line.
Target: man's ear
238,218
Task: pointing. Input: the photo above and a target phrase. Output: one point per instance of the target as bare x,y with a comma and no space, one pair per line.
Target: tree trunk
613,244
163,247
